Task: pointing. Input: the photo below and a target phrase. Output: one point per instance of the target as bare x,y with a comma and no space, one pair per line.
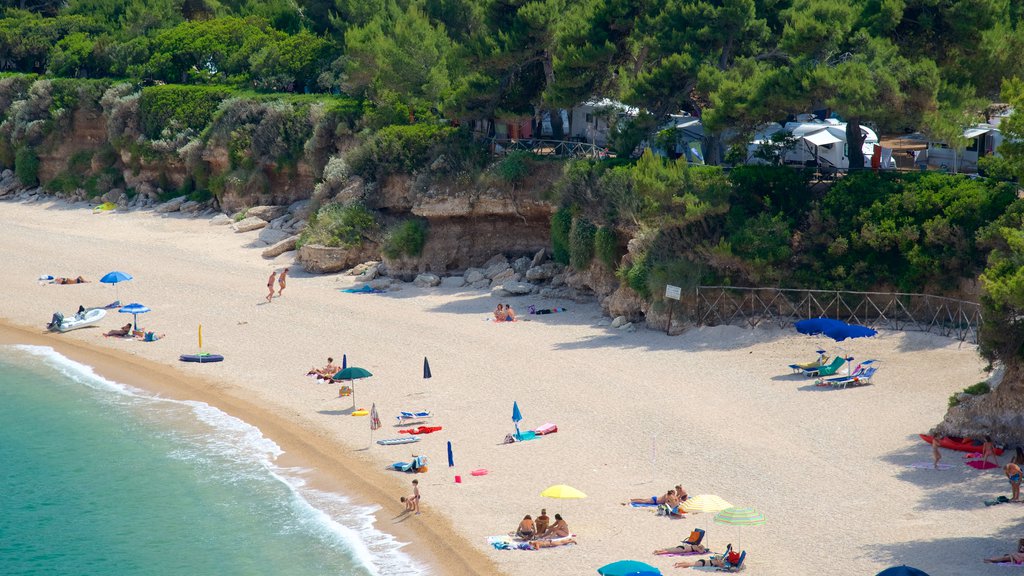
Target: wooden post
668,326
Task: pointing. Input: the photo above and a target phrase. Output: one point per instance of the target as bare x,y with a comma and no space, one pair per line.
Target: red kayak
961,444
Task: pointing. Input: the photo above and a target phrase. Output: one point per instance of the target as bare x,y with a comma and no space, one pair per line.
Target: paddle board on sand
201,358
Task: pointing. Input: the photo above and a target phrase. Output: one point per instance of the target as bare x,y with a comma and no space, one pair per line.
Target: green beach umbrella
352,373
739,517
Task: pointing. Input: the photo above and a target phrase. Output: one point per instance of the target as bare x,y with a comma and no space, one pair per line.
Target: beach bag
733,557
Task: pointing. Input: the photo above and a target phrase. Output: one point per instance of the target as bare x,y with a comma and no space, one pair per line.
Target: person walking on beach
270,285
416,496
280,281
936,444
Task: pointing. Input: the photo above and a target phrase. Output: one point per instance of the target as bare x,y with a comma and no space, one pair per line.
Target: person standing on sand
280,281
936,444
270,285
416,496
988,450
1013,474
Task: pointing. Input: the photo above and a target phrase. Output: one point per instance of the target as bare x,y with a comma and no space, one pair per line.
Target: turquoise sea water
98,478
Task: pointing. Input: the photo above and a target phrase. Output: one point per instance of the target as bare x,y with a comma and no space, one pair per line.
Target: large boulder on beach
427,280
521,265
517,288
497,268
453,282
280,247
267,213
220,220
474,275
249,224
368,274
272,236
171,205
319,259
543,272
506,275
190,207
301,209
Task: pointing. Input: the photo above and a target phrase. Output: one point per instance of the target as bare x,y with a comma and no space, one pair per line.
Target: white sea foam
333,517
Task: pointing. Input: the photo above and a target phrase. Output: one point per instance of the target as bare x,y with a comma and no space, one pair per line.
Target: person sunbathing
652,500
683,548
510,314
671,505
538,544
122,331
499,314
63,280
730,558
1013,557
526,528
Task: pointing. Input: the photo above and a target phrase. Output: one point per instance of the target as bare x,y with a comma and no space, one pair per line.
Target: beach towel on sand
365,289
981,465
930,466
643,504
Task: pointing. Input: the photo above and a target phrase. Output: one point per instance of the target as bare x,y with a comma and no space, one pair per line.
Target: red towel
420,430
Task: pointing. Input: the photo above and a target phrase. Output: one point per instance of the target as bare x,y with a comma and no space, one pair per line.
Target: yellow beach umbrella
563,491
705,503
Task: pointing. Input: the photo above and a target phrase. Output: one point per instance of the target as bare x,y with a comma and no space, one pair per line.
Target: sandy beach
715,409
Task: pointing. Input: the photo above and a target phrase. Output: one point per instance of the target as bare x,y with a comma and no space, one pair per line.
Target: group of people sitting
540,534
325,373
126,330
504,313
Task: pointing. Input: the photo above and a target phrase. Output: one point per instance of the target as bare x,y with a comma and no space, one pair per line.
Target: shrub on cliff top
337,225
178,107
397,149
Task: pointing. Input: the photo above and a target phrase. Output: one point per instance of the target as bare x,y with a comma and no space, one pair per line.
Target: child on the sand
1013,473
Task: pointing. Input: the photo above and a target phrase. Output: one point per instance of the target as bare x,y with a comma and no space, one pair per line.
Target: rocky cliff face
999,413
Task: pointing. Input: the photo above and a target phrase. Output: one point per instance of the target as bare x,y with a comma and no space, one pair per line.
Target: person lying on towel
1011,558
122,331
683,549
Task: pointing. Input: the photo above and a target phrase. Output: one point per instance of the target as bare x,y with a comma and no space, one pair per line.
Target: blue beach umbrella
902,571
134,309
844,331
115,278
815,326
451,459
516,416
426,368
628,568
344,361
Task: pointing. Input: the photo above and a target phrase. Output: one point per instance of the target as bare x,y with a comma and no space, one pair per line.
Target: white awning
822,138
975,132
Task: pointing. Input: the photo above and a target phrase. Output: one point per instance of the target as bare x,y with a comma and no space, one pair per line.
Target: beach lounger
826,370
730,567
822,359
545,429
696,537
858,378
404,417
417,463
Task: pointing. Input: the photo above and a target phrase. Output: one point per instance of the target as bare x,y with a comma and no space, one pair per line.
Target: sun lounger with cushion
822,359
696,537
826,370
404,417
857,378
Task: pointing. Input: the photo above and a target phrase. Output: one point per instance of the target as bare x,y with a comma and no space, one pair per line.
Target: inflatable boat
61,324
961,444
